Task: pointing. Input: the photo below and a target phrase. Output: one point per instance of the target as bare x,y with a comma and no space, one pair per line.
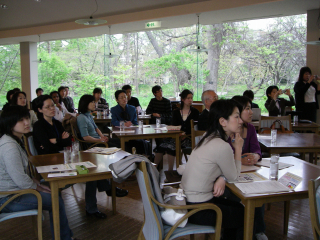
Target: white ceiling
54,19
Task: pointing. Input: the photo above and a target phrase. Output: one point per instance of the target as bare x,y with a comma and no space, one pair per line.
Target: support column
313,51
29,69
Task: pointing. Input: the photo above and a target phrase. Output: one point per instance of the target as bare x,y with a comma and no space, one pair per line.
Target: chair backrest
314,204
153,227
195,134
266,122
29,145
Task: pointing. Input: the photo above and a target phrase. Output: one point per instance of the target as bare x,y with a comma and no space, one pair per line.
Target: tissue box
82,169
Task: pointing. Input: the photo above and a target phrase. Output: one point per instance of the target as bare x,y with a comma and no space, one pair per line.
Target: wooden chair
35,213
154,228
84,145
314,204
195,133
29,145
266,122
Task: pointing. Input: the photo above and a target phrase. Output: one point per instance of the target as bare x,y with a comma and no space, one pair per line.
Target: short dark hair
248,94
9,118
84,102
61,88
9,93
14,100
156,88
97,90
183,95
303,70
269,90
39,89
53,92
66,87
126,87
39,104
16,90
117,93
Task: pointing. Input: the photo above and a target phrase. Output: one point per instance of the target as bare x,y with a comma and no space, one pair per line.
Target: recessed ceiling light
4,6
38,0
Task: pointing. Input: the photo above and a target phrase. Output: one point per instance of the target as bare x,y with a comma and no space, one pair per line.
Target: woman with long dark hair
181,116
306,90
20,98
14,122
275,105
61,109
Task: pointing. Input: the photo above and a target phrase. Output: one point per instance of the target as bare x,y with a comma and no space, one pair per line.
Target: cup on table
67,155
121,126
158,122
140,125
142,112
274,167
273,135
75,148
98,114
105,113
295,119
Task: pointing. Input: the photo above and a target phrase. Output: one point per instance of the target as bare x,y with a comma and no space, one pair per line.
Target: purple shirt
251,145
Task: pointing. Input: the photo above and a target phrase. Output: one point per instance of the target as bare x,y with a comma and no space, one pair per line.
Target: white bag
174,196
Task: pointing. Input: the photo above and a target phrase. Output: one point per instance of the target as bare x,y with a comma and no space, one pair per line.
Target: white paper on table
264,136
103,150
127,131
63,167
290,180
262,187
249,177
66,174
161,128
247,168
266,163
132,126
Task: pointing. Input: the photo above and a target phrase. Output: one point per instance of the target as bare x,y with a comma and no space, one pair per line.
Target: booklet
266,163
247,168
102,150
63,167
249,177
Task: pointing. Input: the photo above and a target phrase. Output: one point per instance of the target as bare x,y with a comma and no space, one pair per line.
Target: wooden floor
128,220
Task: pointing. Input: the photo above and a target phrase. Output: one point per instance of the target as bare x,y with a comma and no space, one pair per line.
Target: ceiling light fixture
4,6
110,55
37,0
39,61
198,48
91,21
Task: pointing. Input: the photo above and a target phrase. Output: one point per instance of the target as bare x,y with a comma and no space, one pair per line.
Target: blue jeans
30,201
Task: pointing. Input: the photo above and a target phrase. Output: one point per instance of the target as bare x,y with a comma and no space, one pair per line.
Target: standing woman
181,117
14,122
49,135
20,98
306,90
276,106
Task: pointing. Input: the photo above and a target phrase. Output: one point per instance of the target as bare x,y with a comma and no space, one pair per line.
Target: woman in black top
181,117
306,90
48,134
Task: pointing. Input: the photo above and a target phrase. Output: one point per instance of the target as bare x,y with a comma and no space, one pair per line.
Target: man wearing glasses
208,97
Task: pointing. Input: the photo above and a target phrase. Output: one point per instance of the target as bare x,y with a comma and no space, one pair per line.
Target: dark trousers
309,111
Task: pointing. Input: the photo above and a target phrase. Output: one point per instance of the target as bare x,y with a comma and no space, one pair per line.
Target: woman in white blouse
61,109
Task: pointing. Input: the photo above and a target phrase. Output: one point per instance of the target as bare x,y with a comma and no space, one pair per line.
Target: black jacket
300,88
272,108
185,125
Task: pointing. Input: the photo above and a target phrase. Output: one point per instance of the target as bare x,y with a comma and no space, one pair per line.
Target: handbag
174,196
281,128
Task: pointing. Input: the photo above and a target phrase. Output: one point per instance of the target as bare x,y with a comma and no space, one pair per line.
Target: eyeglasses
48,107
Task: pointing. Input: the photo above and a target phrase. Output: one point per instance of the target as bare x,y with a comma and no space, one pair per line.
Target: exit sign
155,24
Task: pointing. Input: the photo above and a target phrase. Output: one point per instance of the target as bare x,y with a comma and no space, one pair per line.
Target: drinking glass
75,148
140,125
273,135
121,126
274,167
98,114
158,122
67,154
295,119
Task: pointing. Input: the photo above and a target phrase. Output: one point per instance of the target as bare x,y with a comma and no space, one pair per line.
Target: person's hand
249,158
53,140
43,188
65,135
237,141
218,187
104,139
287,92
59,106
310,78
276,95
156,114
128,124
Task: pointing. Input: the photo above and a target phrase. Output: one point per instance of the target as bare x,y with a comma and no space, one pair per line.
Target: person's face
306,76
21,127
63,93
212,96
21,101
128,92
188,100
48,109
39,93
122,99
67,91
55,98
97,96
158,94
246,114
92,106
233,124
273,92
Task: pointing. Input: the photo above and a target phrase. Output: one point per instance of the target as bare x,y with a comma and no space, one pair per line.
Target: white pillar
29,69
313,51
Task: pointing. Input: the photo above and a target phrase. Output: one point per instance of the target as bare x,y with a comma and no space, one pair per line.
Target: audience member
249,94
8,97
100,103
208,97
39,92
15,122
181,117
132,100
306,90
20,98
61,109
48,134
275,105
68,101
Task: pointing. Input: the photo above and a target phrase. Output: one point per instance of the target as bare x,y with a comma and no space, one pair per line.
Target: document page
266,163
249,177
262,187
63,167
246,168
103,150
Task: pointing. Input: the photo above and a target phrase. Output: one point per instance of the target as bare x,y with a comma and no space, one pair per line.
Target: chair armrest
169,184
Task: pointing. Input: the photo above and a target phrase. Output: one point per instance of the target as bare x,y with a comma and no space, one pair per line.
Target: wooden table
144,118
301,127
100,172
291,142
148,132
301,168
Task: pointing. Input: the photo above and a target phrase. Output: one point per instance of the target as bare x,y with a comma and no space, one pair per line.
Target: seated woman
181,117
127,113
20,98
275,105
90,132
49,135
61,109
14,122
213,157
251,154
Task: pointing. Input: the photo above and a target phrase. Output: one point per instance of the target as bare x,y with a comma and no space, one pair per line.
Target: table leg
114,197
311,157
55,209
123,144
178,150
248,220
286,217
